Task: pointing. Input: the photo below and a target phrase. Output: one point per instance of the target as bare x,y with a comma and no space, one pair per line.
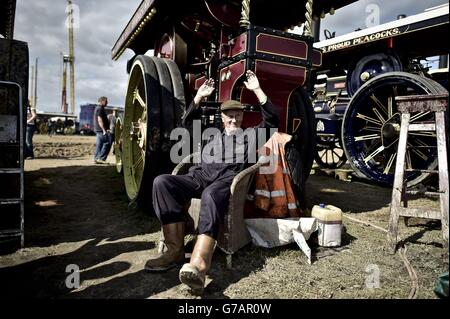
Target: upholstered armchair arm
235,233
241,181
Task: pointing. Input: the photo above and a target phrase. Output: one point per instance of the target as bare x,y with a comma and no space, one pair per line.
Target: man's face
232,119
104,102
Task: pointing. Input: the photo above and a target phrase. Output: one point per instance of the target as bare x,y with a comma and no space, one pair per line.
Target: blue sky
41,23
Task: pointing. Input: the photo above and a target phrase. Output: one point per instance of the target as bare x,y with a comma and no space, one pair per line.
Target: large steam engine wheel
153,107
371,128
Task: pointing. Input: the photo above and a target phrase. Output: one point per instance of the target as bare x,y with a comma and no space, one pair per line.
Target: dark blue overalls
212,178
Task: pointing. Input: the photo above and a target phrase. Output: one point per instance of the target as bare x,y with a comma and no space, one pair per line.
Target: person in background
31,128
101,128
51,127
112,126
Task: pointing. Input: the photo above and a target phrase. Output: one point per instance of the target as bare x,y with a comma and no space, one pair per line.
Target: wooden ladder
423,103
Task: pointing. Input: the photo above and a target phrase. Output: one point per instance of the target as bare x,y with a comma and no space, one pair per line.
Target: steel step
8,201
10,233
10,171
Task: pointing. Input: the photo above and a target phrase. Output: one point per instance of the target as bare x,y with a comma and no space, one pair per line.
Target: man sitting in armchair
210,181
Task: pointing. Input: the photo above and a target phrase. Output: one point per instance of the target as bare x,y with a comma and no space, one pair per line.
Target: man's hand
252,82
204,91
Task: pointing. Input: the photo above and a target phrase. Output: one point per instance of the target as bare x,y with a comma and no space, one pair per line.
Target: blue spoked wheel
371,128
369,67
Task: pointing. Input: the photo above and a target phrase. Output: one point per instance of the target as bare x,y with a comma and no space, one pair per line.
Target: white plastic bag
275,232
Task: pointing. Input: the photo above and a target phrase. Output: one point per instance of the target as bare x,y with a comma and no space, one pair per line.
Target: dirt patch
77,213
61,146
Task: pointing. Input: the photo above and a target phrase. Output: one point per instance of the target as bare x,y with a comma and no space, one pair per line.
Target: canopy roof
417,36
154,15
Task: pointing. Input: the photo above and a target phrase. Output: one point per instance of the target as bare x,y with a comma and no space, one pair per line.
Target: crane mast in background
32,86
35,83
33,89
66,60
70,60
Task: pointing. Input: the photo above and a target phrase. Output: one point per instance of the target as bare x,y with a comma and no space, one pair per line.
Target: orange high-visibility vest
274,194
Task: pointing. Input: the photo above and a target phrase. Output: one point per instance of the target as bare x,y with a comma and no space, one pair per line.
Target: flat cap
231,105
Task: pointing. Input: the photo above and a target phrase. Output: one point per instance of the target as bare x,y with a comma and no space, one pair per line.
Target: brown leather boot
174,241
193,274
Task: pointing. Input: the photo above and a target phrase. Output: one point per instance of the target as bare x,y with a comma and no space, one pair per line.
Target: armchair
233,233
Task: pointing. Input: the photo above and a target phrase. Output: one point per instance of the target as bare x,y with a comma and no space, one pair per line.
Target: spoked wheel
118,144
150,115
330,153
68,131
43,128
371,128
300,151
369,67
